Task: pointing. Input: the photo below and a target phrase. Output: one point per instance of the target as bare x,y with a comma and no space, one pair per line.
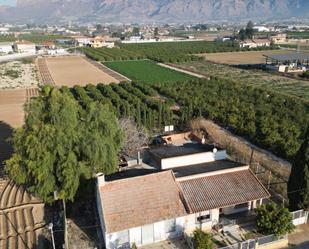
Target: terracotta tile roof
222,190
141,200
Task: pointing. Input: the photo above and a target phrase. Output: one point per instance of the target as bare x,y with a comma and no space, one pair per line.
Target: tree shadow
6,150
84,226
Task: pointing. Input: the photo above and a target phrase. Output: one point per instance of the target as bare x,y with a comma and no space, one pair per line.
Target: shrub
274,219
202,240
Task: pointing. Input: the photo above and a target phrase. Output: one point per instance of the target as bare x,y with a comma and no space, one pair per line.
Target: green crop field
147,71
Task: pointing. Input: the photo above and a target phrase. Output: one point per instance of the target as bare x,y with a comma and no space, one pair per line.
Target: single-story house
254,43
6,47
99,42
174,201
24,47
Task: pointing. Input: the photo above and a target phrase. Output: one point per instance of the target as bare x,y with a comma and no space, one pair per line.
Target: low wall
284,243
243,149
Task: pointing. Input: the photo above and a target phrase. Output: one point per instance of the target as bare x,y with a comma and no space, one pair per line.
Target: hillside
152,10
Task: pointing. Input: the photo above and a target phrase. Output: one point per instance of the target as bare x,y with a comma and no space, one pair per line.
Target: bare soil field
242,58
11,106
18,74
74,70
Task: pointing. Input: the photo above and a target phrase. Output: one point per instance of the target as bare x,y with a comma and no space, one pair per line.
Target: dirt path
182,70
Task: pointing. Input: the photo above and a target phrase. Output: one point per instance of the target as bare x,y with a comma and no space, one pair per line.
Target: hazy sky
7,2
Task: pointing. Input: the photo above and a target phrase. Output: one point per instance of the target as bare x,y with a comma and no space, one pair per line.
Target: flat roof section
168,151
206,168
289,57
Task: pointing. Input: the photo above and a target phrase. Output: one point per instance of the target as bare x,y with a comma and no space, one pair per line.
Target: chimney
100,179
139,158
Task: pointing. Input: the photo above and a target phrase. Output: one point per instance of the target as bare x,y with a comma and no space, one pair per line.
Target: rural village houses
184,185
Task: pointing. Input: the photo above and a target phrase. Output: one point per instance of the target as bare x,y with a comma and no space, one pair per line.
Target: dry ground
18,74
11,106
75,70
238,58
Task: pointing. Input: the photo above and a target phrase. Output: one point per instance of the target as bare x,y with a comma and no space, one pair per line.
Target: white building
192,188
254,43
261,29
82,41
24,47
6,47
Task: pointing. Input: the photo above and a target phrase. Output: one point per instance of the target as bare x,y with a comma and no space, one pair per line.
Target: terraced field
21,217
299,88
21,214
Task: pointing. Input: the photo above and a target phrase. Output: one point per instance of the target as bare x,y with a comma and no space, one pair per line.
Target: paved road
12,57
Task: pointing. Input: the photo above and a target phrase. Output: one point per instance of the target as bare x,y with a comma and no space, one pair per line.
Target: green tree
274,219
242,35
156,31
249,30
135,31
202,240
61,142
298,185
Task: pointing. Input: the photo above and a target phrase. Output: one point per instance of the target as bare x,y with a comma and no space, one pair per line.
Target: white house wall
135,234
191,223
181,161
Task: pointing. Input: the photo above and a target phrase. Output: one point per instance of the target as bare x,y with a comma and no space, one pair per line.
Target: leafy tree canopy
274,219
202,240
298,186
62,142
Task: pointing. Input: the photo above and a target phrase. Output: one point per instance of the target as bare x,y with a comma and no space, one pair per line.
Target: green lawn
147,71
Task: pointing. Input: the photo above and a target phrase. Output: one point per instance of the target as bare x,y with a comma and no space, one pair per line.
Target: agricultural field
299,88
182,51
18,74
7,38
147,71
73,70
11,107
298,35
241,58
163,51
243,109
111,54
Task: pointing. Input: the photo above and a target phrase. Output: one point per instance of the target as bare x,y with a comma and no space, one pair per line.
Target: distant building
48,45
100,41
288,63
6,47
24,47
254,43
279,38
190,185
82,41
96,42
261,29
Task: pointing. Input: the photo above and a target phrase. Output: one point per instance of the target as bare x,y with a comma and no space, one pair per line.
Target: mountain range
137,11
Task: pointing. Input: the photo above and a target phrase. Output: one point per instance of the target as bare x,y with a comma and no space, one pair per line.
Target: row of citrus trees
111,54
273,121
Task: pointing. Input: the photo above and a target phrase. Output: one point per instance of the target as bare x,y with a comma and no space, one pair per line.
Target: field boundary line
100,65
181,70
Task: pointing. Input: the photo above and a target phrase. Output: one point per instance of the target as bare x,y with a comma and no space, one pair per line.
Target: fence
252,244
299,217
